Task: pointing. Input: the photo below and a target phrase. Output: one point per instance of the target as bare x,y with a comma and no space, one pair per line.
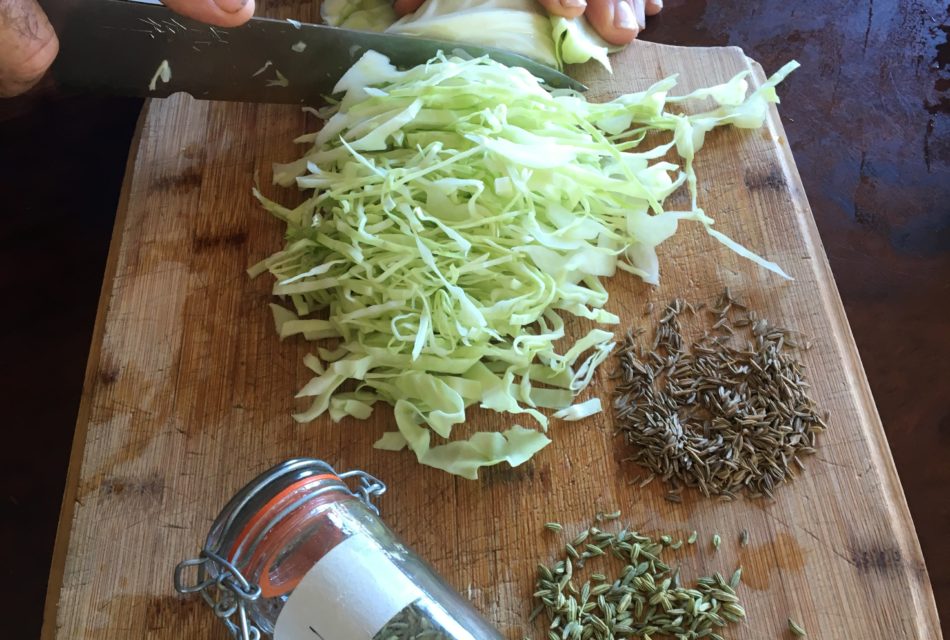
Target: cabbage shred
457,213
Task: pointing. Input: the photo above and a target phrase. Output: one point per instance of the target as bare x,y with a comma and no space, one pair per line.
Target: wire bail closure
228,593
370,487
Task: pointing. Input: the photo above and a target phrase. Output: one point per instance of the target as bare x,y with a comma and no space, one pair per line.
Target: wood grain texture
189,393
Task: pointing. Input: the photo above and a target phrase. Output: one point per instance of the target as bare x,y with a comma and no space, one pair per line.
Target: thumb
28,45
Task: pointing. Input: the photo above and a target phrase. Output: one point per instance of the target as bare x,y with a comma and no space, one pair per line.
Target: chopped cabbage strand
163,73
456,213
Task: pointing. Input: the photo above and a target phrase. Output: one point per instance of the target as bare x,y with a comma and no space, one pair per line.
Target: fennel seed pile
645,599
722,418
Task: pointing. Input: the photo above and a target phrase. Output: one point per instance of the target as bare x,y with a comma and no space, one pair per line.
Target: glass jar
299,555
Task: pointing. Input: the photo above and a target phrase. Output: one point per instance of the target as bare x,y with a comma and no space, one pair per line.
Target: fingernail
230,6
623,16
573,4
641,11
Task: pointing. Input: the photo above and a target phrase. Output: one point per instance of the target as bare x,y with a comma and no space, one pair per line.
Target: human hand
28,44
617,21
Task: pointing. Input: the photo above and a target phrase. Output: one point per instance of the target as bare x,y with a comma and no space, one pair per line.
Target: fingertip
405,7
621,37
653,7
565,8
639,10
220,13
232,13
614,20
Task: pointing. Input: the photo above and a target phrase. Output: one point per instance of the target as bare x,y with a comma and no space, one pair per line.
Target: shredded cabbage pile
457,211
522,26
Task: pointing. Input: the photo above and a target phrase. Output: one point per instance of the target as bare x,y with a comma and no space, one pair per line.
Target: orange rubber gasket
267,589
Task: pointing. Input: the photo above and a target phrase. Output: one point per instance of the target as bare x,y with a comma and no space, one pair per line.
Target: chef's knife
118,46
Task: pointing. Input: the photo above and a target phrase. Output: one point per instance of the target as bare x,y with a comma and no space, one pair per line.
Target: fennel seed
796,629
413,623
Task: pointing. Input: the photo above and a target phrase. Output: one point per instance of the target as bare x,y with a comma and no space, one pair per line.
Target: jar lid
260,492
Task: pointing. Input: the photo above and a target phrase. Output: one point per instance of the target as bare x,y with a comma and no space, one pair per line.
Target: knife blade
117,47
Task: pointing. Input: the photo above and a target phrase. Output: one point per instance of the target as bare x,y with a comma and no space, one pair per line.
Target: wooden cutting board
188,395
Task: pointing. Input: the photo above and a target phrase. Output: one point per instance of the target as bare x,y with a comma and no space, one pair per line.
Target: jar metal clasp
227,591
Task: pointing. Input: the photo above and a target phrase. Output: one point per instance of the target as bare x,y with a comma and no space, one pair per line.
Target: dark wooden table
867,118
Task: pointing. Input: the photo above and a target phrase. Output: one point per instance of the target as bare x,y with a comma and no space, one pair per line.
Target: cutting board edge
925,604
67,507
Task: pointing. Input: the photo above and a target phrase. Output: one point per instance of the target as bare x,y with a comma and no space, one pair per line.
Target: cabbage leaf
522,26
